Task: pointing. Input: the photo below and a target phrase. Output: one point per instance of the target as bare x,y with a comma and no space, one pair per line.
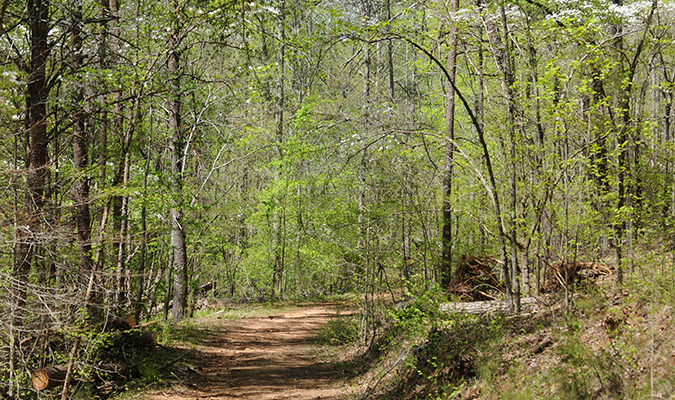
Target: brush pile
476,279
581,274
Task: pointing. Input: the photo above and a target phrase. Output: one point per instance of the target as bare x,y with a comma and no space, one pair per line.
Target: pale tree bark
121,221
501,50
144,240
667,82
479,104
99,143
144,235
509,80
622,138
407,258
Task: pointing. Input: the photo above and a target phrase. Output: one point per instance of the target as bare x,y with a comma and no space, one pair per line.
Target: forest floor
257,357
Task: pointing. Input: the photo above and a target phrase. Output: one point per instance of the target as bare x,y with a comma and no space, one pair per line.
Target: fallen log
54,376
133,338
121,323
45,378
143,339
485,307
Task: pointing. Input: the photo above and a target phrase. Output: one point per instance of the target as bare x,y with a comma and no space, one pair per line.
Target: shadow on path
263,358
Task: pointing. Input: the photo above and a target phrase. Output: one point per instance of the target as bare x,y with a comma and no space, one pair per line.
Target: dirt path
261,358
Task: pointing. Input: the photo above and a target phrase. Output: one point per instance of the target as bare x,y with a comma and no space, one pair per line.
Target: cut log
144,339
45,378
121,323
51,377
133,338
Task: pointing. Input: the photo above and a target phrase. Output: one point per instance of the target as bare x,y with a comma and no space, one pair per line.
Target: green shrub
340,329
149,372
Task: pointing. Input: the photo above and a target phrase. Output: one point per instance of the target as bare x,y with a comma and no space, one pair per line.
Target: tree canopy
288,149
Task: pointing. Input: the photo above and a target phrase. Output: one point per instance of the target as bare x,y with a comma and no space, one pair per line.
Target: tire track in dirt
262,358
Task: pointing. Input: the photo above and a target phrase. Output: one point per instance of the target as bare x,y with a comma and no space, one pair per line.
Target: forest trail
265,357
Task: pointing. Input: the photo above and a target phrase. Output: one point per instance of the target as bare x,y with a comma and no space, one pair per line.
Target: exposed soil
267,357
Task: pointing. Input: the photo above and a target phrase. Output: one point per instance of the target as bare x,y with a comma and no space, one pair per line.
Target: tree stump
45,378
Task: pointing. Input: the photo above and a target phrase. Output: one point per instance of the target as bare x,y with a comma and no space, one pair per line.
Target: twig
146,324
221,394
487,295
175,360
400,359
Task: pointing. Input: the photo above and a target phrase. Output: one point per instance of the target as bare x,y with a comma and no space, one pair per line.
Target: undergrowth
612,344
339,330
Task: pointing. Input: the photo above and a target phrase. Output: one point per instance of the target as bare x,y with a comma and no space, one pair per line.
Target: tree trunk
144,241
102,211
176,146
80,152
37,142
120,323
50,377
136,338
363,244
390,55
446,258
280,225
509,80
501,57
623,139
121,224
502,54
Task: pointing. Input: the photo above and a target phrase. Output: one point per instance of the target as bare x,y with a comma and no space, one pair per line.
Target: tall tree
625,128
280,224
80,147
177,148
446,257
37,143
